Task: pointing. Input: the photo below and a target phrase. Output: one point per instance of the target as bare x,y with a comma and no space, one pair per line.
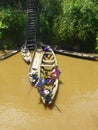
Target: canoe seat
47,65
48,53
48,61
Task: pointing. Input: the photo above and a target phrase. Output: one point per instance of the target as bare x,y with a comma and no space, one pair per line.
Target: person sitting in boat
34,78
40,83
47,48
46,91
56,73
40,86
47,95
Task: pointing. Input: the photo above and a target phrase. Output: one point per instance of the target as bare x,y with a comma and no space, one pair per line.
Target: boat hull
76,54
35,65
48,65
26,55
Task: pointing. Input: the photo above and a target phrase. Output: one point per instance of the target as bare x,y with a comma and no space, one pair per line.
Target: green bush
15,20
76,27
48,11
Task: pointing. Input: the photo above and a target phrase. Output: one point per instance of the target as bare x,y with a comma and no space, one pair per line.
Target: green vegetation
69,24
13,25
73,24
49,10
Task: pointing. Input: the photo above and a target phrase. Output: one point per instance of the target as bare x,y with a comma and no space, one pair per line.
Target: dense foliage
69,24
79,24
49,10
13,29
73,24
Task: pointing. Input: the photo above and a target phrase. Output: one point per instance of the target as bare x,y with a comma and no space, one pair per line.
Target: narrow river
77,97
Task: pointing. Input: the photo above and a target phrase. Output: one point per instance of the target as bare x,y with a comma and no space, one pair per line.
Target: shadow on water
60,82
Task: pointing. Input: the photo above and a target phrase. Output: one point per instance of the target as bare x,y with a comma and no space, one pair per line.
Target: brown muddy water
77,97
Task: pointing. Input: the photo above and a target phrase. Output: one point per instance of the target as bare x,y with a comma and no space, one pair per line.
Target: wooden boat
34,70
76,54
26,54
9,54
48,64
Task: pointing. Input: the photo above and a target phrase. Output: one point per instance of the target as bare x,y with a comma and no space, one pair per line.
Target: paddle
30,90
57,108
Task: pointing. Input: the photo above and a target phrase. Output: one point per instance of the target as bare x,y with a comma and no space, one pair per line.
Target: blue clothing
34,78
40,83
46,49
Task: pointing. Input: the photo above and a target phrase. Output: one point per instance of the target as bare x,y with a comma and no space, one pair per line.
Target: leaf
0,24
96,48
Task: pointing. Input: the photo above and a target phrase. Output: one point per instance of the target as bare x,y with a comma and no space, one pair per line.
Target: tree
77,25
48,11
12,15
